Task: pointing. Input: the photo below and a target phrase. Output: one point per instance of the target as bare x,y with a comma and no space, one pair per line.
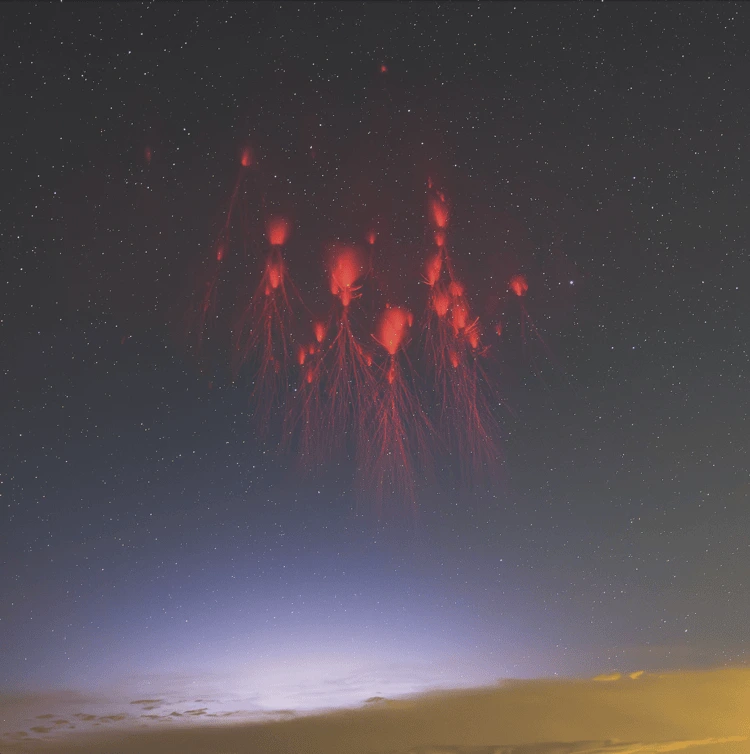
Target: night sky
154,542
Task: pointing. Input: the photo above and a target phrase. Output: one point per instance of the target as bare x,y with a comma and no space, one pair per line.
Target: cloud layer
627,713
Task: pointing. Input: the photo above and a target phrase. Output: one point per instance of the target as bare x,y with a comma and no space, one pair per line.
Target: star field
151,540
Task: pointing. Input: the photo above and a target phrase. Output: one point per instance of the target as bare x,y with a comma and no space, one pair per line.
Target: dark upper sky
147,536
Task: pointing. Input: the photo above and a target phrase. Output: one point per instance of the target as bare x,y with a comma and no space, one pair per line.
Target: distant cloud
610,714
196,712
617,676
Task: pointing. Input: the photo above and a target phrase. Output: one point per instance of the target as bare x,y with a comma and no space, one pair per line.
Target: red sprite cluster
338,392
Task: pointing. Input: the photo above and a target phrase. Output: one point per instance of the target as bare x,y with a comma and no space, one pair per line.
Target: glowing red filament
393,327
456,289
440,238
275,273
277,231
519,285
246,157
320,331
346,270
220,252
472,335
432,268
441,302
371,237
439,213
459,315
